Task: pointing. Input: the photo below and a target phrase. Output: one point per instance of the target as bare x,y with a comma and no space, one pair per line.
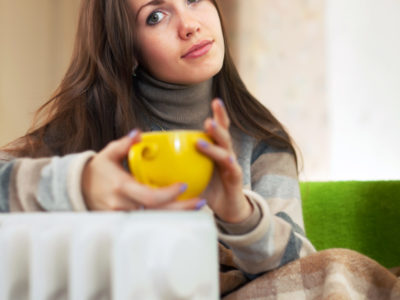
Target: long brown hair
94,103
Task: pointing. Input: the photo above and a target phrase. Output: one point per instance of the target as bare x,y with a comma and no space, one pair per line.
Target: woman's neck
173,106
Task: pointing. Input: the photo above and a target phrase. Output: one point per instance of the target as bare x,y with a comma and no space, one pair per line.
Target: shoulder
242,142
263,155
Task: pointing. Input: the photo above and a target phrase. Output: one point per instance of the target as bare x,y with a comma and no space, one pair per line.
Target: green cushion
358,215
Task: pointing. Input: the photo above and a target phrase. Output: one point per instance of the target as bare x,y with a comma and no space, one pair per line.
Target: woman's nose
188,28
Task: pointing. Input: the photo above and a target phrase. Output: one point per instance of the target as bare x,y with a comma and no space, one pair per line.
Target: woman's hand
106,185
224,194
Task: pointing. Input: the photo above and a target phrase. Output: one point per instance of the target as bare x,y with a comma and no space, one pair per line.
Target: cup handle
149,151
139,152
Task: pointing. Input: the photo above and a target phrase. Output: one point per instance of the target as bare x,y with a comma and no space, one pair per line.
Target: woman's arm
255,197
43,184
83,181
278,236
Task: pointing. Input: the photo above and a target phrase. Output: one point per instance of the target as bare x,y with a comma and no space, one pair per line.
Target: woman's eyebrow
153,2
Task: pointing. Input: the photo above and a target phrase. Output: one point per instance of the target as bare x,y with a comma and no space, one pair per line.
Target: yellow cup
163,158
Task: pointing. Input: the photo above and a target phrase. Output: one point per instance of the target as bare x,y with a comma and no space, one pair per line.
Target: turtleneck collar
173,106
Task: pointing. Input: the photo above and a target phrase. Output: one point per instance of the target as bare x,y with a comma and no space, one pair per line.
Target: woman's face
179,41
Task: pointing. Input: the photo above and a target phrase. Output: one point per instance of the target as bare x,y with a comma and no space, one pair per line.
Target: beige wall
280,48
36,38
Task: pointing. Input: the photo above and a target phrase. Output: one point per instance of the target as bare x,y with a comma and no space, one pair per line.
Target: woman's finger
122,204
221,156
219,112
150,197
118,150
192,204
219,134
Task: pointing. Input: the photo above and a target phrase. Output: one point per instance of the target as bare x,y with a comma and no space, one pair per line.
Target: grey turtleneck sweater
173,106
272,236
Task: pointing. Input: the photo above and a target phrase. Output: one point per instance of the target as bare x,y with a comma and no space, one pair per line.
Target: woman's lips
199,49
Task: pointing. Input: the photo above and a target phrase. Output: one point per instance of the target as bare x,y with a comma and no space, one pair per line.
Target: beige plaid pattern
329,274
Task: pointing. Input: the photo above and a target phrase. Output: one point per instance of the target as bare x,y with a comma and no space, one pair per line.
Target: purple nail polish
221,103
133,133
200,204
213,124
183,187
231,159
203,143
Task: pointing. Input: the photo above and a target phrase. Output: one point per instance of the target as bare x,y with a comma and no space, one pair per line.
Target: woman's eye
192,1
154,18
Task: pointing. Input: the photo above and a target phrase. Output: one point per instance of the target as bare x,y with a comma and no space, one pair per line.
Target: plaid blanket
328,274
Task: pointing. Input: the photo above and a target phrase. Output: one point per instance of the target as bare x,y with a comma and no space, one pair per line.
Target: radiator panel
142,255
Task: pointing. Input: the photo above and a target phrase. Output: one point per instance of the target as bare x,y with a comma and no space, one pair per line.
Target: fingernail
221,103
133,133
201,203
203,143
183,187
231,159
213,124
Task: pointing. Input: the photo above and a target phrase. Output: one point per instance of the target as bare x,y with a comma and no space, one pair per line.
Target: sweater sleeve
245,226
42,184
278,237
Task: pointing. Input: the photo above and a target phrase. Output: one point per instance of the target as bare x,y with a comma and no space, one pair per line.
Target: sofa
360,215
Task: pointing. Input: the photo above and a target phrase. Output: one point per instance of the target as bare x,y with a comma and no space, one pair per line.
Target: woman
155,65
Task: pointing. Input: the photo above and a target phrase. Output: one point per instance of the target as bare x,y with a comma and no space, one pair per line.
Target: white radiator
143,255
